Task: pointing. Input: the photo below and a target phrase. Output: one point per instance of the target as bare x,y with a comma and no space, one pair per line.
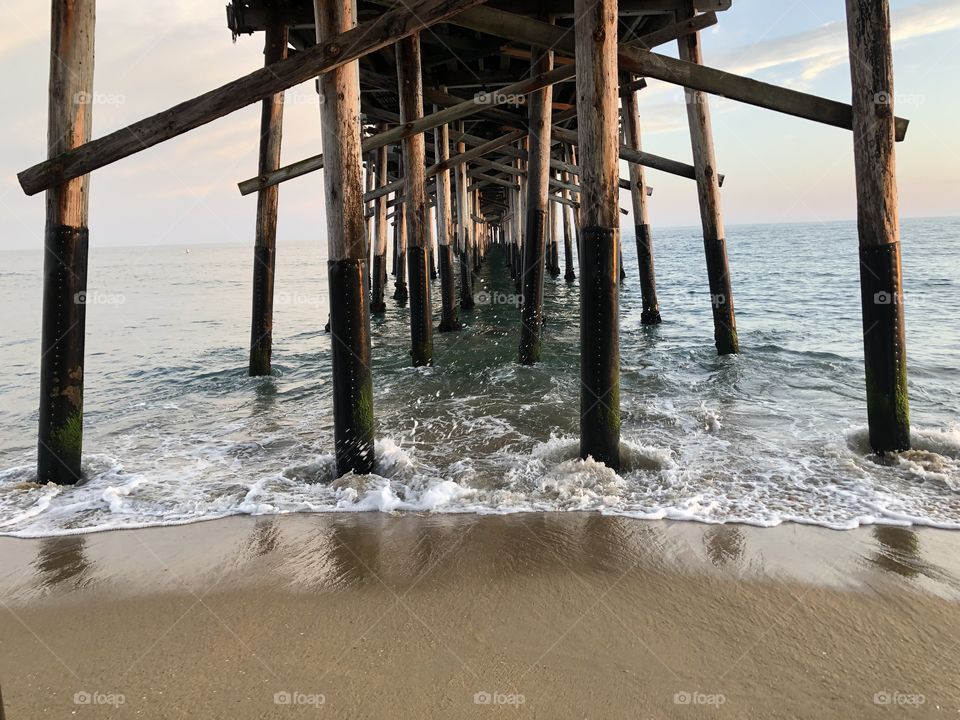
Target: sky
150,56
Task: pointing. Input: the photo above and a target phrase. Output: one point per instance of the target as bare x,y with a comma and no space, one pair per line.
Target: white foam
843,486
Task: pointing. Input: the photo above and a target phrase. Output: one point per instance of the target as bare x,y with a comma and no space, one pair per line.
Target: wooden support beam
410,90
638,61
66,238
486,104
596,52
466,108
674,167
650,315
708,191
346,248
434,170
265,241
487,179
337,50
878,224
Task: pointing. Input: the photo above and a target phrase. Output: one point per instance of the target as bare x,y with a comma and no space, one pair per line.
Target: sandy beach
547,616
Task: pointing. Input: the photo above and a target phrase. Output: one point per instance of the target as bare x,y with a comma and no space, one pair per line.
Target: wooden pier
470,124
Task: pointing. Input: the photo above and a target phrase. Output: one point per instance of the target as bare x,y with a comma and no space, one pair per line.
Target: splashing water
176,432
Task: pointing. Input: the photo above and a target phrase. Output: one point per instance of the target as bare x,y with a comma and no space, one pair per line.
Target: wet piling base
721,297
466,281
531,313
377,305
421,322
554,259
400,292
648,283
352,379
884,346
60,443
261,325
448,291
600,346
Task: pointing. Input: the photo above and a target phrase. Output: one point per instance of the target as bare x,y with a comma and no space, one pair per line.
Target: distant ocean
176,432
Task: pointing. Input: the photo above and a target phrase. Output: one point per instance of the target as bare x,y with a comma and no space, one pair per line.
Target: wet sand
441,616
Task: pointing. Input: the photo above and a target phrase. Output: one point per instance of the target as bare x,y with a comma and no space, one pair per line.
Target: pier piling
650,315
448,290
379,271
708,190
463,229
599,140
539,109
265,242
349,304
878,225
415,202
60,444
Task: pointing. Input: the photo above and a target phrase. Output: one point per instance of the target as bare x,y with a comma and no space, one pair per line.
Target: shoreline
549,615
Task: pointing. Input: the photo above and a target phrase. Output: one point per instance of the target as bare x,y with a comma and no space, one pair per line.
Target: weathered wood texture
463,109
380,242
334,52
650,315
708,191
881,276
63,331
410,90
596,52
486,105
265,239
638,61
536,215
347,248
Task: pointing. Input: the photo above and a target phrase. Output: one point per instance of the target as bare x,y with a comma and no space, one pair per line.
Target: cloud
825,47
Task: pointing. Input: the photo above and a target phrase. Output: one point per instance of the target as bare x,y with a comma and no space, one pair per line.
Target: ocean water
176,432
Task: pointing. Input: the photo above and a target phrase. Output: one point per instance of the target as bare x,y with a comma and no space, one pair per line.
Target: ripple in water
176,431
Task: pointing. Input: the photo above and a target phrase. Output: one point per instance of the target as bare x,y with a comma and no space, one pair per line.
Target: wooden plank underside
305,65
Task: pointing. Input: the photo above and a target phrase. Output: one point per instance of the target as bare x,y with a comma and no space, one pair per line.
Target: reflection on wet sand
61,560
724,544
898,550
335,552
